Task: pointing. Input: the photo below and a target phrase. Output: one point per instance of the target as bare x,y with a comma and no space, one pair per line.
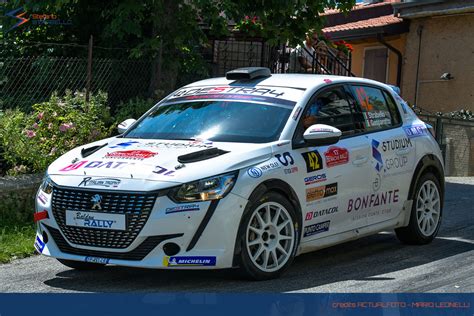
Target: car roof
298,81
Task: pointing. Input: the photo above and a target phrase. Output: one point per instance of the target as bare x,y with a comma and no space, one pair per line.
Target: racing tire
269,237
82,266
426,212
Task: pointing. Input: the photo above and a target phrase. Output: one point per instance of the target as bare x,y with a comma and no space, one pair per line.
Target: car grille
136,254
136,207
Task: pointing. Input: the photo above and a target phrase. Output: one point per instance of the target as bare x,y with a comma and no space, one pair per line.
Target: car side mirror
122,127
321,134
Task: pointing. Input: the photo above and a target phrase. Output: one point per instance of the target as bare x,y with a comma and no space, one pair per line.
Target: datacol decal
101,182
182,208
189,261
373,200
313,214
313,194
316,228
96,164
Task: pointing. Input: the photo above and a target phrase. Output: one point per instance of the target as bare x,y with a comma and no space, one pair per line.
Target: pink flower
65,126
30,134
35,126
40,115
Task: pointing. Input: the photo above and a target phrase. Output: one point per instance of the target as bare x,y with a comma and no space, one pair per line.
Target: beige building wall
358,56
447,45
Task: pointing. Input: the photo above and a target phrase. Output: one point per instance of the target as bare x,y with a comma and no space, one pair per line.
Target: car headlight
212,188
47,185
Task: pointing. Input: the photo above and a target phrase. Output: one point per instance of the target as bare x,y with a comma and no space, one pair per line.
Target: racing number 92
313,161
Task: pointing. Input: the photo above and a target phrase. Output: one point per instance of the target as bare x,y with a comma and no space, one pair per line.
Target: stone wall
17,197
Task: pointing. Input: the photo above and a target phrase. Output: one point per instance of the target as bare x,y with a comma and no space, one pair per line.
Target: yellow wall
447,45
358,56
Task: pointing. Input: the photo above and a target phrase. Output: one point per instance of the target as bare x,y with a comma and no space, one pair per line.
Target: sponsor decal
320,130
336,156
182,208
290,170
125,144
313,161
415,131
396,144
316,228
97,260
42,198
254,172
377,183
373,200
101,182
297,113
258,91
163,171
379,118
377,155
269,166
285,159
38,216
319,213
39,244
327,80
131,154
321,192
395,163
189,261
95,220
96,164
315,179
96,202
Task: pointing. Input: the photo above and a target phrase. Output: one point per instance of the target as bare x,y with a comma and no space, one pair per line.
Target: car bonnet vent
201,155
248,73
89,151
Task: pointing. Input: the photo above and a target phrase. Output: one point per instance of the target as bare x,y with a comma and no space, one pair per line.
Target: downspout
420,33
399,57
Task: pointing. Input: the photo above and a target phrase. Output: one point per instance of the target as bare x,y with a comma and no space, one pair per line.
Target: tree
168,31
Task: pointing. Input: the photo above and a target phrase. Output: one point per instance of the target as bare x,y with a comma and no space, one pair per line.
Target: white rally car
246,171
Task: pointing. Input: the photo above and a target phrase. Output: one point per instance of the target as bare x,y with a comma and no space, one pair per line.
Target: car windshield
216,120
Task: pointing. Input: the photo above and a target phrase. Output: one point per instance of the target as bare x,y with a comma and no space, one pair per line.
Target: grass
16,241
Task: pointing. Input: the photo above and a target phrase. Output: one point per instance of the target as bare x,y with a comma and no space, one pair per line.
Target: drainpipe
399,57
420,33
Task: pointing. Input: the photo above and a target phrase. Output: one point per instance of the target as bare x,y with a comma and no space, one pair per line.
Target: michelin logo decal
189,261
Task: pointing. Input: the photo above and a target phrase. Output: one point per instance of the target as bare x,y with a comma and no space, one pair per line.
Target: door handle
360,161
403,151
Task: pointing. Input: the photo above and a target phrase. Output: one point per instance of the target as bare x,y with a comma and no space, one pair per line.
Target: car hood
157,160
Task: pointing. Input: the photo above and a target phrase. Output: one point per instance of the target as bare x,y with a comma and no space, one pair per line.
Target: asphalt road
377,263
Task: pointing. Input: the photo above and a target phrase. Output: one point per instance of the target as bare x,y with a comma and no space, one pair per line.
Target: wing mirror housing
321,135
122,127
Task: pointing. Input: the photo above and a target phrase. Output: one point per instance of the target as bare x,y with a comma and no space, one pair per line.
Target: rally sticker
39,244
97,260
191,261
95,220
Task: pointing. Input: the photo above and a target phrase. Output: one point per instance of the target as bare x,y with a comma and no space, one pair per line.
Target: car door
334,173
392,157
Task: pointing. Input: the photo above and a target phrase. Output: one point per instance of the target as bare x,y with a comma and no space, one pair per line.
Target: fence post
89,69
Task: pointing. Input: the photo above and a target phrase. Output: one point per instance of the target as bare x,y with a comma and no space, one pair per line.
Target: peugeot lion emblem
96,199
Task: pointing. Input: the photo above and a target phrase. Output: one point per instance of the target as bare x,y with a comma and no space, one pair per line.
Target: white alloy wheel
270,237
428,208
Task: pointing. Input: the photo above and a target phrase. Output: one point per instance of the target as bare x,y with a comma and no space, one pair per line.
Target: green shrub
133,108
32,141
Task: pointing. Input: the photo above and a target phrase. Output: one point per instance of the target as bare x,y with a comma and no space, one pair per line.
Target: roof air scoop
248,73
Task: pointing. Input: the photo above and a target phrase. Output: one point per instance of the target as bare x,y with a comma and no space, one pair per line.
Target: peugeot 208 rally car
246,171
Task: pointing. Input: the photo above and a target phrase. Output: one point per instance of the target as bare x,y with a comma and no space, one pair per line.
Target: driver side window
330,107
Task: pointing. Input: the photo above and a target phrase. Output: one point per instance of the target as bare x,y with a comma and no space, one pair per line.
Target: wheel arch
428,163
271,185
